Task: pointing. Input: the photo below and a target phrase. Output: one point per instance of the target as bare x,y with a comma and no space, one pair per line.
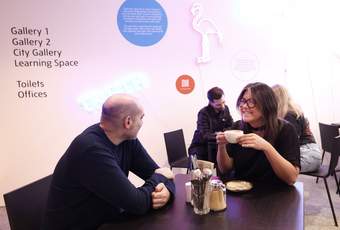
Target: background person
310,153
90,184
268,151
213,118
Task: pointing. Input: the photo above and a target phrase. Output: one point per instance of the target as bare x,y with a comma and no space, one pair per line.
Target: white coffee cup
232,135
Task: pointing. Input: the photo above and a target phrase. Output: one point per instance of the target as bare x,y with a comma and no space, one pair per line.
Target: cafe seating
327,132
176,149
326,170
25,206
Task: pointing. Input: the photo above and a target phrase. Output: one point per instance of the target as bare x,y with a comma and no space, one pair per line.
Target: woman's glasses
251,103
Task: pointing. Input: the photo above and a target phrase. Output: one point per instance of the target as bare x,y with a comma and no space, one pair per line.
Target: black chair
325,171
25,206
176,149
327,132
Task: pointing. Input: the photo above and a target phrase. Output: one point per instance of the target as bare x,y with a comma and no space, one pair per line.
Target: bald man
90,183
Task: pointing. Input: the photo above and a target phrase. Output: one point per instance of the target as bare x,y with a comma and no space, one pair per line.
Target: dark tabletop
263,207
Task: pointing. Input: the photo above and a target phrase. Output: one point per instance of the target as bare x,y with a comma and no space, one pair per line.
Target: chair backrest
175,145
25,206
335,152
327,133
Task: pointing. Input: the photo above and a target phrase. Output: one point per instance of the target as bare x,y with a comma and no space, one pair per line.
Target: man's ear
127,122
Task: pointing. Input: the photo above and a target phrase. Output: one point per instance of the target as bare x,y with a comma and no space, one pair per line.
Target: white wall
294,43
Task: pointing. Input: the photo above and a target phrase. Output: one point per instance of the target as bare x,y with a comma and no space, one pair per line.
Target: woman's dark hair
266,102
215,93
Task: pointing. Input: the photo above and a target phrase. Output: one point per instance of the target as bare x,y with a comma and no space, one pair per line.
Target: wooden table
262,207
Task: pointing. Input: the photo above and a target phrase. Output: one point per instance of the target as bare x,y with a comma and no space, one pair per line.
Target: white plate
238,185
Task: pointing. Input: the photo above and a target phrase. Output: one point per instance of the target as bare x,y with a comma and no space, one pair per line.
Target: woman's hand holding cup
220,138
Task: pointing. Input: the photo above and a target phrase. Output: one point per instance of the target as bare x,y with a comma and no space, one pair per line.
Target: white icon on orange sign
185,83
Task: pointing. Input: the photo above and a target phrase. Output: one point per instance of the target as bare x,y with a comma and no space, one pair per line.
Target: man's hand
160,196
165,172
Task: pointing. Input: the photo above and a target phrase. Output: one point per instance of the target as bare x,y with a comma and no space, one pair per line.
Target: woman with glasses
269,150
310,156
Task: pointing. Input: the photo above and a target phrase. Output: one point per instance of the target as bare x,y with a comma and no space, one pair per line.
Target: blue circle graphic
142,22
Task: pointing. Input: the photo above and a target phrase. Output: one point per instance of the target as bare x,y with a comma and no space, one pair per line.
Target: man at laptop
215,117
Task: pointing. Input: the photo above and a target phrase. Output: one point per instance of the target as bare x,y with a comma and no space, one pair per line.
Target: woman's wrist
268,148
221,146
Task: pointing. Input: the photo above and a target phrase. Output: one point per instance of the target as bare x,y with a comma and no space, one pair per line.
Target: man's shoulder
226,109
93,131
91,136
207,111
131,143
204,109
